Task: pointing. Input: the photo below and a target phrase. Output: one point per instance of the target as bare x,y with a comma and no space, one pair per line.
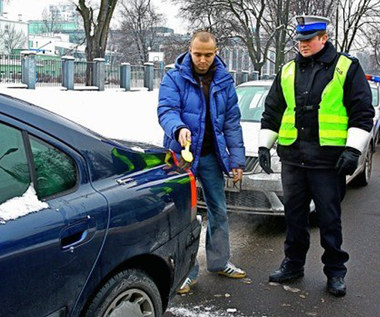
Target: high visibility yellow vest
332,114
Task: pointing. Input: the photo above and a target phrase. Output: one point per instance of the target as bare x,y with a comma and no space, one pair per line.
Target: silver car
258,192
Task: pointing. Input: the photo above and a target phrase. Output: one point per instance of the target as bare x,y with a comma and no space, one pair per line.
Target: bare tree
50,19
314,7
353,17
373,50
139,26
203,15
350,19
173,46
281,26
246,20
96,29
299,7
12,38
260,25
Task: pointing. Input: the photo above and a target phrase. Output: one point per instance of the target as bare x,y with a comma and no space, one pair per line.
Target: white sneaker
232,271
185,288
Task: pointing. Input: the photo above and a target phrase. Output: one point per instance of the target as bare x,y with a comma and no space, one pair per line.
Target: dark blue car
88,226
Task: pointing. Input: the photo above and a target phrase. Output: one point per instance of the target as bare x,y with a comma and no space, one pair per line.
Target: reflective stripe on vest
332,114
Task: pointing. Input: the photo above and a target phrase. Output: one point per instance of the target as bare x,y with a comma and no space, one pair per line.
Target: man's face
312,46
202,55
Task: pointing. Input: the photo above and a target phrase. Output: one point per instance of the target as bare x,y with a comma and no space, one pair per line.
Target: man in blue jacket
198,104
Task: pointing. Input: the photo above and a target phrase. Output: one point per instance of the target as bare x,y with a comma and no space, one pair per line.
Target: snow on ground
201,311
21,206
113,113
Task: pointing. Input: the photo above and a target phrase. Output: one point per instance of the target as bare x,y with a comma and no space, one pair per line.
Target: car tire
129,293
362,179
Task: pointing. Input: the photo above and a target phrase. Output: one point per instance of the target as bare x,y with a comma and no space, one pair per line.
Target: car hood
251,137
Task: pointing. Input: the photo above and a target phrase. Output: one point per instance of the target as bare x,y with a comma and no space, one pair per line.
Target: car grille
250,163
244,198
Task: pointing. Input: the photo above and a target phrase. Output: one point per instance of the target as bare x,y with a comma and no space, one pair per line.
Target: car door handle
77,233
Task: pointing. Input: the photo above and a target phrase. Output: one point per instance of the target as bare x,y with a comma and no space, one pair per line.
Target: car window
251,102
55,171
14,170
375,96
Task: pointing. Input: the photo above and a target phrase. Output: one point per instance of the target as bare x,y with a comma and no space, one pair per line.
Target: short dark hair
203,36
321,33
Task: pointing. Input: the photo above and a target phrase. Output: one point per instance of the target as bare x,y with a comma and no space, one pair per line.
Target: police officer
319,109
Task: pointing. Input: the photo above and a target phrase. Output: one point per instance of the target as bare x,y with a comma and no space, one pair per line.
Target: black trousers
327,189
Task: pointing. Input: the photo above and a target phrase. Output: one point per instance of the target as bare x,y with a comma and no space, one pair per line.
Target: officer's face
312,46
202,55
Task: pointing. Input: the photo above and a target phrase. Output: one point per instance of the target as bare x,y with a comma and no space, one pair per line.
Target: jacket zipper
199,148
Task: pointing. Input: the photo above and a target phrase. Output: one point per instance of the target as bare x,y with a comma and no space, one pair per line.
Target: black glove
348,161
264,159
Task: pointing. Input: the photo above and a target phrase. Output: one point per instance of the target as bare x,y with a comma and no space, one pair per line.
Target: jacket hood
184,65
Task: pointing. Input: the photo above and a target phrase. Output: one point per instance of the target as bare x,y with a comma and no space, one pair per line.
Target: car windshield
251,102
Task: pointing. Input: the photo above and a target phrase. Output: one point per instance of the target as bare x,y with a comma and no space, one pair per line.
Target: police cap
308,26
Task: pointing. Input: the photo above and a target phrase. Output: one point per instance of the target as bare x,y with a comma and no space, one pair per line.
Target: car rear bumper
256,194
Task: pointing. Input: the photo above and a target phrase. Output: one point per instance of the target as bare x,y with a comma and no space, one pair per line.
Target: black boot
287,271
336,286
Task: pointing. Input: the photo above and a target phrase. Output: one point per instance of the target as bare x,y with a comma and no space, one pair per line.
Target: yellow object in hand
186,154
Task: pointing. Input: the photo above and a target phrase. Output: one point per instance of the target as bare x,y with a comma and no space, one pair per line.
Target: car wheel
362,179
130,293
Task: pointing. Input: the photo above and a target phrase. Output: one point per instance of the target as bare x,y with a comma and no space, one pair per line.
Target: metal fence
137,76
80,68
10,68
112,79
239,78
49,71
158,74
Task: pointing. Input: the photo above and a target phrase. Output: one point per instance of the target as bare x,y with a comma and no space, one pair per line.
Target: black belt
306,108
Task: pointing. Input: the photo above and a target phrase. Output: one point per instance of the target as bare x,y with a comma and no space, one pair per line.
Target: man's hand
184,135
348,161
264,159
237,174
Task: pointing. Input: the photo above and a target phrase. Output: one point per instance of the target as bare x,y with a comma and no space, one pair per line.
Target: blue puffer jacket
182,104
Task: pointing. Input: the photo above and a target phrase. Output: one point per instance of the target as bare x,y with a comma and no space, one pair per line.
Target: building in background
237,60
61,19
47,27
64,12
13,34
268,70
58,44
